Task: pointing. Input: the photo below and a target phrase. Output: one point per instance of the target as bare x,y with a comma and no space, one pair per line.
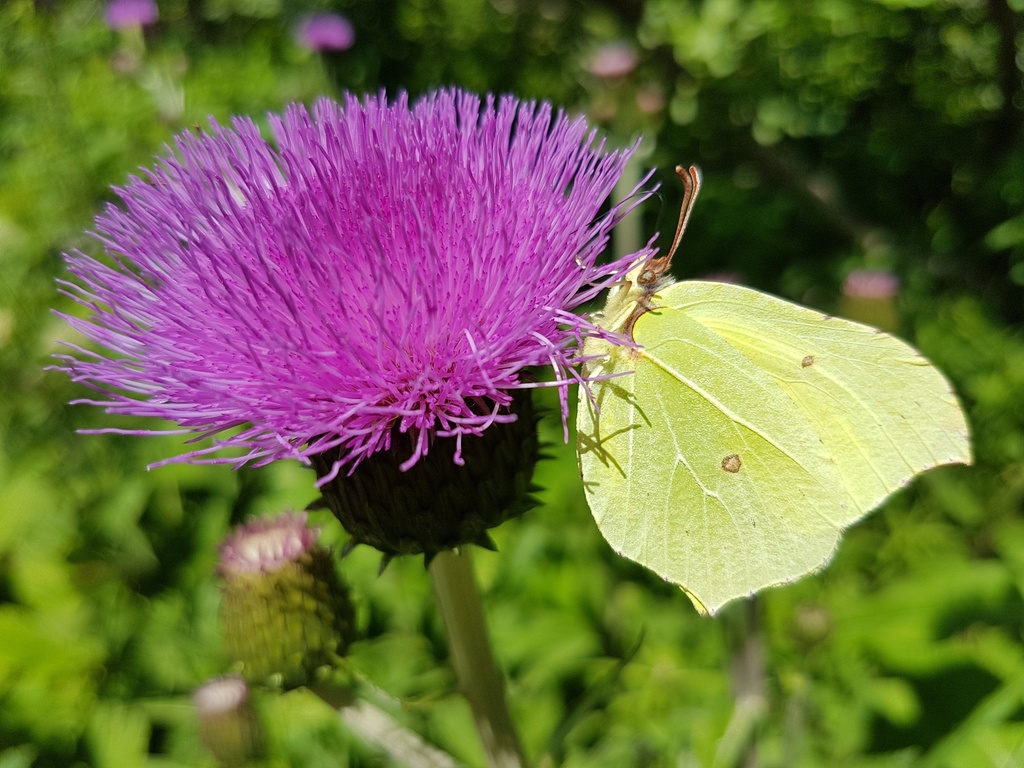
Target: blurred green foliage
834,135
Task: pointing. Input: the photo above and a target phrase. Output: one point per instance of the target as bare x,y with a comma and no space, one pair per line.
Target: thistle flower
379,276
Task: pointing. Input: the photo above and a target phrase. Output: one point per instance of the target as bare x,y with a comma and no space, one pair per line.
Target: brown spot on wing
732,463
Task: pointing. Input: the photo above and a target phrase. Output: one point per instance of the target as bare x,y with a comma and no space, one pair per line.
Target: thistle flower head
375,273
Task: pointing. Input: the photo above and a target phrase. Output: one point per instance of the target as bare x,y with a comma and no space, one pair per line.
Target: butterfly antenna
691,186
655,268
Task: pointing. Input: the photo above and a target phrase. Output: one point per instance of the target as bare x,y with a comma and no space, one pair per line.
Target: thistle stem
480,680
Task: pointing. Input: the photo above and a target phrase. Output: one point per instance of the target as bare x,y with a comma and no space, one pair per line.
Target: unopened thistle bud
285,613
228,724
438,504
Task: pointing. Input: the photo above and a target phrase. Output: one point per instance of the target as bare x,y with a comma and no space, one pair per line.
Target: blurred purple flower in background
612,60
386,270
325,32
121,14
871,284
650,100
869,296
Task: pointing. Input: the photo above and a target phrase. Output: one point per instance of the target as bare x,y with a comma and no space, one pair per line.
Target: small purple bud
325,32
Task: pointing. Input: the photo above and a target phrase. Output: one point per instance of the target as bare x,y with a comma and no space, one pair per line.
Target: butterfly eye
653,272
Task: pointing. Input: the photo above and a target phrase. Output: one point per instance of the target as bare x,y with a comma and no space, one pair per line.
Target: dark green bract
438,504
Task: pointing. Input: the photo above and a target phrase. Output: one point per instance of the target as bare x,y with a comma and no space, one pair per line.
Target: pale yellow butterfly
729,449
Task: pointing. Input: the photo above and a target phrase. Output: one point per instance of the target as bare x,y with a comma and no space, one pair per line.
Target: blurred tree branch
1006,128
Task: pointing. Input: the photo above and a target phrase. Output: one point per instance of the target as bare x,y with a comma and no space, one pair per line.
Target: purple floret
386,270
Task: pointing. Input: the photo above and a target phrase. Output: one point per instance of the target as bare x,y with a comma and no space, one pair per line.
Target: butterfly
731,446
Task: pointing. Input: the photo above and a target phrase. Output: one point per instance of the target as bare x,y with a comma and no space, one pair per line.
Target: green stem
480,680
738,745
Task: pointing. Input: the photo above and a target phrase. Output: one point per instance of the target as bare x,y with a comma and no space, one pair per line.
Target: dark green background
834,135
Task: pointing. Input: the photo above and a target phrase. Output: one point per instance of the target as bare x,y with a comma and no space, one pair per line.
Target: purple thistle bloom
386,269
325,32
121,14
